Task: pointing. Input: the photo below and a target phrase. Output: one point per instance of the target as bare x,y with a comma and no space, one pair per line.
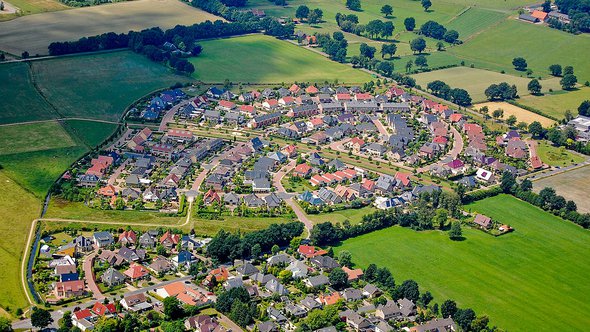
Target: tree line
578,12
443,90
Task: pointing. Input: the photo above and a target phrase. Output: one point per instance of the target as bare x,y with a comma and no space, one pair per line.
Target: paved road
169,116
382,130
89,276
452,154
58,314
113,178
291,201
206,168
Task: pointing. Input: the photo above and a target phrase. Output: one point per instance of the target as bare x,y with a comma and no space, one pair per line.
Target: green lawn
90,132
18,208
264,59
33,137
19,94
556,156
353,215
556,104
475,81
475,20
100,86
537,273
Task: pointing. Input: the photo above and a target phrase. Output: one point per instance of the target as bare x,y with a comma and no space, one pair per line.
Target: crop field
100,86
263,59
475,20
19,94
34,33
500,44
33,137
495,275
28,7
18,208
556,104
557,156
521,114
91,133
570,186
475,81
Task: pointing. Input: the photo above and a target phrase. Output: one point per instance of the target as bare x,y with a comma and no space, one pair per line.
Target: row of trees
373,29
334,46
226,246
312,16
438,31
502,91
443,90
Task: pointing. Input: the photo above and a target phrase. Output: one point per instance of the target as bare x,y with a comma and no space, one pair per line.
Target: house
112,277
275,287
388,311
371,291
184,259
131,255
102,310
324,263
302,170
483,221
540,15
103,239
330,298
278,259
353,274
127,237
294,310
161,265
357,322
352,294
267,327
407,308
247,270
310,251
276,315
516,149
261,185
211,197
69,289
169,240
298,269
83,319
536,162
135,303
528,18
436,325
309,303
148,240
317,281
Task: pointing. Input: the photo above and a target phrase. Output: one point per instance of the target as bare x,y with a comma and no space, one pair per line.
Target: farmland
18,209
91,133
475,81
474,20
29,7
568,185
34,33
557,156
495,275
264,59
33,137
521,114
556,104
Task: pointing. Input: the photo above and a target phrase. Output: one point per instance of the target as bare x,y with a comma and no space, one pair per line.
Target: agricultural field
555,104
28,7
475,81
264,59
20,94
33,137
18,208
569,185
521,114
557,156
499,45
100,86
34,33
354,216
91,133
474,20
495,275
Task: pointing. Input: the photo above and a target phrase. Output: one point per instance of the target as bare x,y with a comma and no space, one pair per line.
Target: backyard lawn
557,156
541,266
264,59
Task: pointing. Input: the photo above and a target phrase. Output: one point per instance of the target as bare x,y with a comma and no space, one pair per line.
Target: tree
227,298
353,4
555,70
370,272
367,51
388,49
25,55
345,258
526,185
511,121
418,45
440,46
172,308
425,298
338,278
455,232
41,318
387,29
410,23
256,250
409,289
387,10
302,12
275,249
451,36
534,86
315,16
555,136
584,108
508,182
547,6
464,317
426,4
448,308
536,129
240,313
65,323
421,61
498,113
568,81
441,216
385,68
460,97
568,70
480,323
519,63
5,325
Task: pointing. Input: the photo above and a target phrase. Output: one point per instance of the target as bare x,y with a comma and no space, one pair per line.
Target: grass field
557,156
527,274
263,59
556,104
90,132
475,80
19,94
33,137
520,113
18,208
100,86
353,215
34,33
570,186
475,20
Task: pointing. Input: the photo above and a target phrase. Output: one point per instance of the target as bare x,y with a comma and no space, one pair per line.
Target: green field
475,20
537,273
354,216
91,133
556,104
19,94
33,137
264,59
100,86
557,156
18,208
33,7
475,81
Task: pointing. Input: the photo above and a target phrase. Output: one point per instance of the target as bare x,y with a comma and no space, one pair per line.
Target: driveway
381,128
89,276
